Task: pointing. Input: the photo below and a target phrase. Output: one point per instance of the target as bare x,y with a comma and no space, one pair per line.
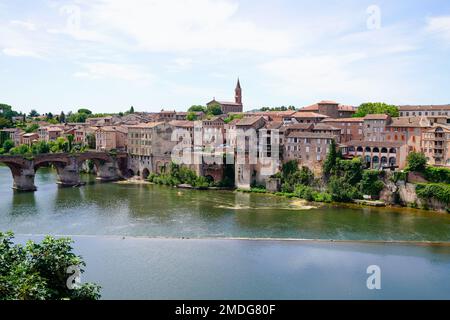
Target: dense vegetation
59,145
176,175
39,271
437,191
213,109
376,108
342,180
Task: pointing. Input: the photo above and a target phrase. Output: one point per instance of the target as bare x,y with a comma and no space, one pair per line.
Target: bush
398,176
38,271
437,191
416,162
437,174
371,183
342,191
8,145
304,192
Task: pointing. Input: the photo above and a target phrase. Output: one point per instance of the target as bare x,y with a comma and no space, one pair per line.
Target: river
149,241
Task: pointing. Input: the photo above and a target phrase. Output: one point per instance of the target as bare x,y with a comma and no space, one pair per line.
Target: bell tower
238,93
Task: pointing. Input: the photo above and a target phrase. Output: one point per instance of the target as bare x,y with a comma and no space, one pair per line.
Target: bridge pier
23,180
69,175
108,171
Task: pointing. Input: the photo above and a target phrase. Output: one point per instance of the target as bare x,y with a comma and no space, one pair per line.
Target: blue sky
110,54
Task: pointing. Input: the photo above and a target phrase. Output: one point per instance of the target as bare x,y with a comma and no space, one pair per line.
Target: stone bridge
68,167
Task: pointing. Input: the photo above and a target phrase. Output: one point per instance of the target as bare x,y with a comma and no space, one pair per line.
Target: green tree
39,271
62,117
4,123
7,112
214,109
32,128
23,149
330,161
8,145
91,141
416,161
84,110
33,113
371,183
70,138
376,108
40,147
197,108
191,116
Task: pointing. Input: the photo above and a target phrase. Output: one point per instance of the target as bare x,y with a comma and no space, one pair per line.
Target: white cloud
334,77
439,26
24,24
126,72
180,25
180,64
17,52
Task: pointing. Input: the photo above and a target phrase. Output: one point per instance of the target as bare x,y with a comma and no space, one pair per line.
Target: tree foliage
330,161
376,108
416,161
214,109
38,271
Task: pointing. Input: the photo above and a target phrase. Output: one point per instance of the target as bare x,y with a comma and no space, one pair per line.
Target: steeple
238,93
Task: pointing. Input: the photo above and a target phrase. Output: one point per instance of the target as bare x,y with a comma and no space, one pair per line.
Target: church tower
238,93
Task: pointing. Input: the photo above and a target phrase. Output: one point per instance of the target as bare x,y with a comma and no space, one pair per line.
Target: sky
108,55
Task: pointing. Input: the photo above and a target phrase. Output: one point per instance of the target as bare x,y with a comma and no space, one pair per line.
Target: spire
238,93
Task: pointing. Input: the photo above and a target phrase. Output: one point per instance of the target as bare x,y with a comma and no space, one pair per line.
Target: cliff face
404,193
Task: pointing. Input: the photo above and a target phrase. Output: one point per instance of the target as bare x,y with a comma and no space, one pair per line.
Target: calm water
115,226
158,211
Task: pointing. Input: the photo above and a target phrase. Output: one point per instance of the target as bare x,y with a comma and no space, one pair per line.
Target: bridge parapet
67,165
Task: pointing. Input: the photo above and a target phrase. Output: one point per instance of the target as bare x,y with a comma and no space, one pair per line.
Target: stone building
304,117
227,106
150,147
378,154
331,109
351,128
14,134
307,148
408,130
29,138
374,127
109,138
436,145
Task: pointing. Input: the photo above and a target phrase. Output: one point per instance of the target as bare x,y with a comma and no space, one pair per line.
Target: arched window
368,149
359,149
392,150
376,162
392,161
384,161
376,149
383,150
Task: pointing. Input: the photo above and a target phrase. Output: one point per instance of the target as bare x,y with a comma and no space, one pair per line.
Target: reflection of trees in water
23,203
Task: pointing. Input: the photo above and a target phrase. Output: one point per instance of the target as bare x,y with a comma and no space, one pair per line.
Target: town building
351,128
227,106
150,147
13,134
304,117
307,148
29,138
436,145
109,138
331,109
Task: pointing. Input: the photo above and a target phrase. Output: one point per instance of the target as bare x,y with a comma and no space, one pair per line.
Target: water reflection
151,210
